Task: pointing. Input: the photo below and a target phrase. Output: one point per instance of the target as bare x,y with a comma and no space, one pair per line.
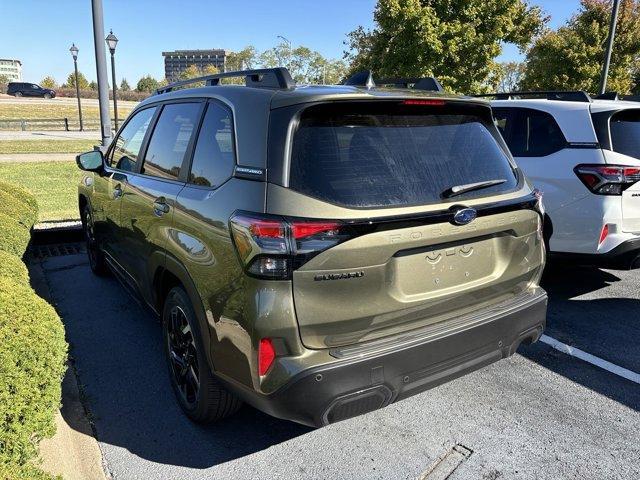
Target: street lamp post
112,41
607,56
74,53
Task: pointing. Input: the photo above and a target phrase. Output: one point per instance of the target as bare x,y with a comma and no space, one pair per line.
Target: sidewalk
37,157
49,135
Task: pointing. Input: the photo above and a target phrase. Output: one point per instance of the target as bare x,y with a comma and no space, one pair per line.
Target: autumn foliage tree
571,57
455,40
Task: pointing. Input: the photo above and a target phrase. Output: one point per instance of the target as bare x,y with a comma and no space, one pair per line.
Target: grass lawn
47,146
55,109
54,185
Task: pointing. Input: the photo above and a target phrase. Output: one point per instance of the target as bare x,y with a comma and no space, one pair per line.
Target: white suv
584,155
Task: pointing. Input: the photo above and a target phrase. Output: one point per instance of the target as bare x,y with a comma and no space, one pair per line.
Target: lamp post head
74,51
112,41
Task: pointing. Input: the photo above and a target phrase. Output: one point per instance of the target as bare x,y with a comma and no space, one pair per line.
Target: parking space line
592,359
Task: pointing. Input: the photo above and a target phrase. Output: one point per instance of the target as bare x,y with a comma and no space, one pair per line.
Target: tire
47,96
200,395
96,257
18,94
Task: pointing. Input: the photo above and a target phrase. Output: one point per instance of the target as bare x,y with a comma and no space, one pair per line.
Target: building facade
11,68
177,61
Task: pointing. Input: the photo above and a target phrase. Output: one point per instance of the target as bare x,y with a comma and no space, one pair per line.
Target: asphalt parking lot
539,414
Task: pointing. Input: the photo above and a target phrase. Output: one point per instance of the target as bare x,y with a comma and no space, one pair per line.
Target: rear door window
625,132
170,139
396,154
214,157
529,132
124,155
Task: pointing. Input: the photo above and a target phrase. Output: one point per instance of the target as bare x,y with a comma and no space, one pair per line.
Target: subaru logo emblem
464,216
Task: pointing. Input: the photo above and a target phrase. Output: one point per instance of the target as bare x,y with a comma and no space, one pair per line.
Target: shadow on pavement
579,314
116,346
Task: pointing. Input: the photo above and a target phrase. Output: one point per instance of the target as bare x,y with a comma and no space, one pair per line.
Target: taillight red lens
607,179
267,228
308,229
266,356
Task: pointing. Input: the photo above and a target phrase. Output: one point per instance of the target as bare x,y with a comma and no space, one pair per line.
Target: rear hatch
625,142
401,247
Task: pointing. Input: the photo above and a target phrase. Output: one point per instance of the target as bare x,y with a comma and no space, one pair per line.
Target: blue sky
39,32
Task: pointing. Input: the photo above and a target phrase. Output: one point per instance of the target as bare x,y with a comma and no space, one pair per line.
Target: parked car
584,154
25,89
317,251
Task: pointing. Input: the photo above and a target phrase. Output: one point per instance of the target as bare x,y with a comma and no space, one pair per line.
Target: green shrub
32,363
22,472
17,208
12,267
14,237
19,193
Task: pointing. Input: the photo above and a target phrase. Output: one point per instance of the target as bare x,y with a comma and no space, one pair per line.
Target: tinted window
391,154
214,159
528,132
170,139
127,147
625,132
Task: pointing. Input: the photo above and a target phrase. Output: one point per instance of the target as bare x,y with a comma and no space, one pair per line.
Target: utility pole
607,57
101,71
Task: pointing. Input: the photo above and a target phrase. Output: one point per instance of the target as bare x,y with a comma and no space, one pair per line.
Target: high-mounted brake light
436,103
607,179
266,356
272,247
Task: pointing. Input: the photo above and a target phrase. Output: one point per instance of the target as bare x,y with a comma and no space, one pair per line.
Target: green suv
317,251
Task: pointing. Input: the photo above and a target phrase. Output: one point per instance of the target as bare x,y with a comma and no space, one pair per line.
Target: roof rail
607,96
278,77
560,95
365,79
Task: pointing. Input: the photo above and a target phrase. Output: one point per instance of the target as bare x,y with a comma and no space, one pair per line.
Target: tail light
266,356
272,247
607,179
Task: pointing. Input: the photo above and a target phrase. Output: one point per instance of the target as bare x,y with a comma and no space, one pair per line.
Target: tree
304,65
48,82
245,59
456,41
93,85
509,76
147,84
4,81
192,71
571,57
124,85
83,83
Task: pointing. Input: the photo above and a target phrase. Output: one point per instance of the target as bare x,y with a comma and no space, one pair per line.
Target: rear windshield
395,154
625,132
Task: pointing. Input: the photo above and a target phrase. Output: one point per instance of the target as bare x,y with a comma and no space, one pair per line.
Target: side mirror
90,161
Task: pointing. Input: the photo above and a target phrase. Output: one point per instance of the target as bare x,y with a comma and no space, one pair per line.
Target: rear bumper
624,255
370,376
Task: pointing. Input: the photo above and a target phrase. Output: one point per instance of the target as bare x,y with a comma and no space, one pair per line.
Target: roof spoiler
278,77
365,79
560,95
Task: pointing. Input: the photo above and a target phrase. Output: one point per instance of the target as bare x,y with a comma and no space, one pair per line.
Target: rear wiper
460,189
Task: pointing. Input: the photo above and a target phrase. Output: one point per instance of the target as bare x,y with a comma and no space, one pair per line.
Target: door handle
160,206
117,191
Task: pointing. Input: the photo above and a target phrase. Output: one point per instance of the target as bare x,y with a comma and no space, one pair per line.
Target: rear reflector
603,233
266,356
